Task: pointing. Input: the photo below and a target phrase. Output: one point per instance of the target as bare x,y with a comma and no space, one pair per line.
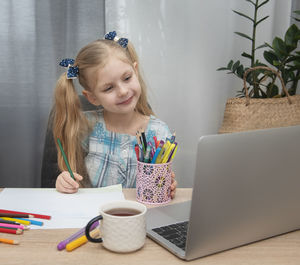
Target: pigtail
69,125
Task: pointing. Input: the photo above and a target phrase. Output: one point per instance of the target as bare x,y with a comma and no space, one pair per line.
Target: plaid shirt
111,157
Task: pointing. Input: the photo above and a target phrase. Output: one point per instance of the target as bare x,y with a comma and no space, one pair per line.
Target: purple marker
62,245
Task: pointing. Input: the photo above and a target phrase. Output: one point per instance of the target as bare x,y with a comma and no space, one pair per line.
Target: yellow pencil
16,220
162,152
81,240
175,150
167,153
9,241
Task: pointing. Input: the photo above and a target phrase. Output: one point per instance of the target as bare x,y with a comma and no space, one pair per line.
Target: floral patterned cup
153,183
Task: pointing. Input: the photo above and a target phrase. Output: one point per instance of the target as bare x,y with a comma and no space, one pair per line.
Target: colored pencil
23,222
11,231
9,241
14,226
65,158
8,222
144,141
62,245
6,227
173,137
155,141
16,215
40,216
32,222
138,137
81,240
137,149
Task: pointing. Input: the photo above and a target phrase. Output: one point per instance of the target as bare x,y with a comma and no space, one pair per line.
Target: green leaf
222,68
249,78
279,47
297,12
272,90
276,63
243,35
229,65
293,58
291,75
240,71
261,46
258,63
263,3
235,66
293,68
261,20
246,55
243,15
270,57
290,37
268,45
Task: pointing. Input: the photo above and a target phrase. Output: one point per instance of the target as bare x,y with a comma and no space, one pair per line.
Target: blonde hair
70,124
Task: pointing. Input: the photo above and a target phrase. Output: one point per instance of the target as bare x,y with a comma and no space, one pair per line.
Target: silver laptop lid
246,188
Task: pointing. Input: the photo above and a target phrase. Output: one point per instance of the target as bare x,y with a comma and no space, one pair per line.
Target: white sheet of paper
66,210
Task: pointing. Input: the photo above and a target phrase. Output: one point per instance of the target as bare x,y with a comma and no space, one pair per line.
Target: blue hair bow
113,36
72,71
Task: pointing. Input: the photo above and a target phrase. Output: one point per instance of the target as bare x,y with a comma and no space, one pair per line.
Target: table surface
39,247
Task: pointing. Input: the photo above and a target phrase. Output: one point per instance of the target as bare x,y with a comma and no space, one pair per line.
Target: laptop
246,188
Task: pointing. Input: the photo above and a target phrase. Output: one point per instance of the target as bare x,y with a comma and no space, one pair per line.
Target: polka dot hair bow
113,36
72,71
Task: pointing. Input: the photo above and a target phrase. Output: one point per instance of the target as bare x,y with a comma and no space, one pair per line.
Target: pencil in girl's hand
15,215
9,241
65,158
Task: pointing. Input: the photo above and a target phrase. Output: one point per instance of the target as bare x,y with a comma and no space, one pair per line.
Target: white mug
122,226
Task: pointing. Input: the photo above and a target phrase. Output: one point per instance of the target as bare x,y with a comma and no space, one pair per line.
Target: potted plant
270,106
282,55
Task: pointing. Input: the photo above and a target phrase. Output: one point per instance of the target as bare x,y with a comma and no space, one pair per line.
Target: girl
100,144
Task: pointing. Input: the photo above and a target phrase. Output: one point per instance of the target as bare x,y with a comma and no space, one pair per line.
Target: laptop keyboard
175,233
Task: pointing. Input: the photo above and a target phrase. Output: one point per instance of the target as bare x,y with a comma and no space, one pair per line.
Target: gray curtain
34,36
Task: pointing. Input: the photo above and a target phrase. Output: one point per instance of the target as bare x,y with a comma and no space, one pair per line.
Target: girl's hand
66,184
173,185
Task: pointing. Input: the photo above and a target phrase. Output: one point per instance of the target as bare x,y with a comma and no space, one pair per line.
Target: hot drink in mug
122,226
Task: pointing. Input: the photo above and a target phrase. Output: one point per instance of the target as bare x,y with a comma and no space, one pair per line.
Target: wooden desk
39,247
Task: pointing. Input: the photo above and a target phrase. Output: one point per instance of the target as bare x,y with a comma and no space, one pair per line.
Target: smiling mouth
125,102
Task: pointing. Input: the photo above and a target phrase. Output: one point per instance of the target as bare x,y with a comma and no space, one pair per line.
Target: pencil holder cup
153,183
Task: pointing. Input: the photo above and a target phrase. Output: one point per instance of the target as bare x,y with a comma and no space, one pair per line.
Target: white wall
181,44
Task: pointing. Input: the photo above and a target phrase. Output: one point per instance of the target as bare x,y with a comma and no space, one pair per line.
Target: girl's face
115,86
